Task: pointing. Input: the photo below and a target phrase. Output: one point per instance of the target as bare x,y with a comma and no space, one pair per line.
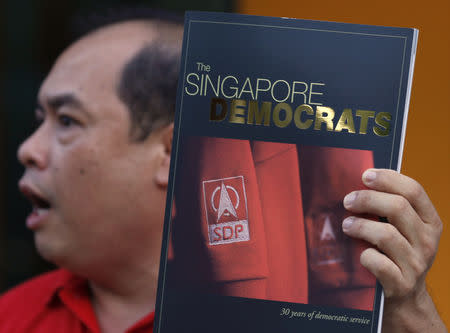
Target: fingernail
349,198
369,176
347,223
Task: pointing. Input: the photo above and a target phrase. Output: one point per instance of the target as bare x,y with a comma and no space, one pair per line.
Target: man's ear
162,174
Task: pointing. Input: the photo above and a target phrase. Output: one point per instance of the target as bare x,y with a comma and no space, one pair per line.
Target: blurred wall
427,152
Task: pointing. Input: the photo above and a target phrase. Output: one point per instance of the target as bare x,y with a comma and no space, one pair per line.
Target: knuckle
387,237
418,266
429,247
400,204
403,288
390,280
383,269
415,190
365,256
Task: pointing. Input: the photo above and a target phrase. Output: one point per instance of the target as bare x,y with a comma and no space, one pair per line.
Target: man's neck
119,307
123,291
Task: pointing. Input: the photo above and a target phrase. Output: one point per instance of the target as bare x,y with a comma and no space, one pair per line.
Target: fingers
383,235
395,207
387,273
405,247
390,181
394,282
398,256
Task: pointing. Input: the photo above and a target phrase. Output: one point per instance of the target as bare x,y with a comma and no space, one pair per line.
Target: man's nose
33,152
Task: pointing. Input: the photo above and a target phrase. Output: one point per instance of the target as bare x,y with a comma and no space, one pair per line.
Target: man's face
93,190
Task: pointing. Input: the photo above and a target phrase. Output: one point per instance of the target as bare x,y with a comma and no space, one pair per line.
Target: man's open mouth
38,201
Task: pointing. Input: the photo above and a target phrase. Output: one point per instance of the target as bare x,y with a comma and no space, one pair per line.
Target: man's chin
50,249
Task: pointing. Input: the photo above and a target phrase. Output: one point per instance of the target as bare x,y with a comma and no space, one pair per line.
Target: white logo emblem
327,230
226,210
225,205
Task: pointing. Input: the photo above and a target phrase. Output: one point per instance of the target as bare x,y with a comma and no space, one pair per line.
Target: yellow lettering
215,102
346,122
237,114
276,114
298,116
256,116
364,115
325,115
382,119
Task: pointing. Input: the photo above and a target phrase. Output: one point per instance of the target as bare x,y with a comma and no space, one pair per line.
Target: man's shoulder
39,288
30,298
36,305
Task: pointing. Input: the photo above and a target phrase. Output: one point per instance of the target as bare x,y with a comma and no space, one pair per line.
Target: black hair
148,81
148,87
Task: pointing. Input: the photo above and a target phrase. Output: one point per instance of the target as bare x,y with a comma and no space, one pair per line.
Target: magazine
276,121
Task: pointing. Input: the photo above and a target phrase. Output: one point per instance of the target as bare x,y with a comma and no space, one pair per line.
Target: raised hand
404,248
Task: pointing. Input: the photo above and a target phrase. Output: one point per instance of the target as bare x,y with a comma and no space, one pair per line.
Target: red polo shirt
54,302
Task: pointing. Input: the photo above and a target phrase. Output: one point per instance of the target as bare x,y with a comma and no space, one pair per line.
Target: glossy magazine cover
276,121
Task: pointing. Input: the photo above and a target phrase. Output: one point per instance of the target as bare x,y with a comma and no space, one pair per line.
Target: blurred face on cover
97,195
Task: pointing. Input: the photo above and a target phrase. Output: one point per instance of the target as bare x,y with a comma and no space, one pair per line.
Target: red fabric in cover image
263,220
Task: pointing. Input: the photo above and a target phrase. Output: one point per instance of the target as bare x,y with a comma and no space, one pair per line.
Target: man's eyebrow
68,99
57,101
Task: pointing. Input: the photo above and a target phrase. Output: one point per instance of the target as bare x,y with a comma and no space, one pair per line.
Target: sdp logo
226,212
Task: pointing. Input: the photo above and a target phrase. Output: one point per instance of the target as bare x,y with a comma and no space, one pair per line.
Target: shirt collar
73,292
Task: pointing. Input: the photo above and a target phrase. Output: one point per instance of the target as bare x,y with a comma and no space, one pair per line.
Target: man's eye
66,121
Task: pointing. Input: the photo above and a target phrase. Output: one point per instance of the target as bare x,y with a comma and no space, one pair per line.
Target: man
96,174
